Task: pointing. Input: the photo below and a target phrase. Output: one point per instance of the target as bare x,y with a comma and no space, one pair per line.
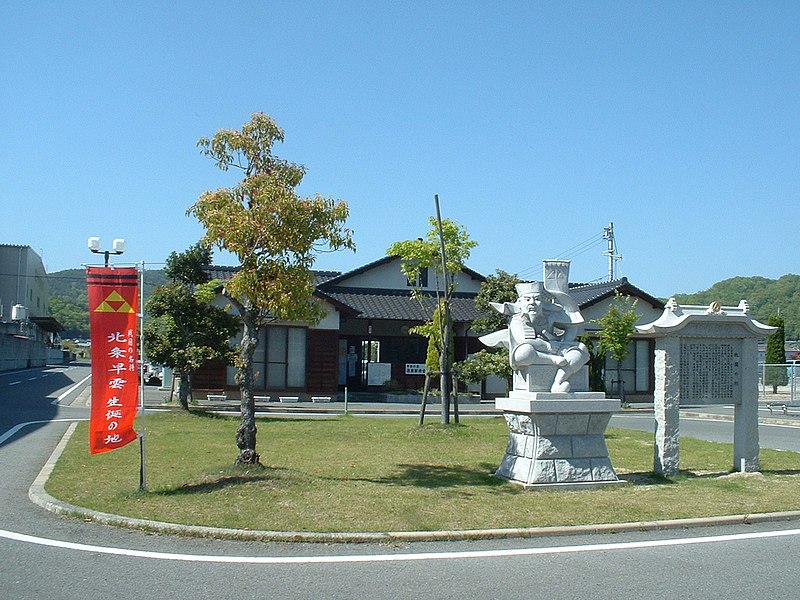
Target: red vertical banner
113,298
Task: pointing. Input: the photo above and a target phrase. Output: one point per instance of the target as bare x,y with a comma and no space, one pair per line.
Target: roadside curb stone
40,497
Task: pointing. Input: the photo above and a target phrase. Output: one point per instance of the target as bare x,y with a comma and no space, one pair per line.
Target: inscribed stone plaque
710,371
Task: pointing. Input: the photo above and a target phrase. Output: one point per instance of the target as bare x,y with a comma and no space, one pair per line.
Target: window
634,369
422,279
370,352
642,365
286,357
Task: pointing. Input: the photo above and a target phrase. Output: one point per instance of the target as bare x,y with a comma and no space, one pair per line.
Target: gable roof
589,294
342,277
395,304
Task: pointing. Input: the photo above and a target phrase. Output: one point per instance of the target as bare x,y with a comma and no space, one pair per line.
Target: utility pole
611,253
444,326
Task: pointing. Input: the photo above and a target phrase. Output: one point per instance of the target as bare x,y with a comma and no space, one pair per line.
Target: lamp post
118,246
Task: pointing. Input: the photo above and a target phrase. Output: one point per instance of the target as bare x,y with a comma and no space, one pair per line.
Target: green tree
275,234
432,330
483,363
776,355
500,287
444,251
618,326
73,314
184,330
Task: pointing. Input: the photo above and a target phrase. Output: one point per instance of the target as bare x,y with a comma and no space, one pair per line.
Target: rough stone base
557,440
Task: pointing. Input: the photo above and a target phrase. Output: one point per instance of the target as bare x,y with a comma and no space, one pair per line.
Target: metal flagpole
142,469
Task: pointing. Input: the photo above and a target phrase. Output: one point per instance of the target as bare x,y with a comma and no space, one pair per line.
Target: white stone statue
543,326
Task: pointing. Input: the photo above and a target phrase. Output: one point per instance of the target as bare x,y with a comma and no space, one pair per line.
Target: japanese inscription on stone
709,372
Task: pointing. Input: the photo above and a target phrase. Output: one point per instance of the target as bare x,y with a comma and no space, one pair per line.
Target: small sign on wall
415,368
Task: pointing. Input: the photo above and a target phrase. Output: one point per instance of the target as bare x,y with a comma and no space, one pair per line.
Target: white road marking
401,557
369,558
69,391
14,383
19,426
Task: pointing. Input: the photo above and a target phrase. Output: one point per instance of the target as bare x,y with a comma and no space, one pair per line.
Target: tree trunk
183,390
425,392
246,432
444,392
445,379
454,391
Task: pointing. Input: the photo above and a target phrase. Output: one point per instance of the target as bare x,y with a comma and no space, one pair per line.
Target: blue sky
537,124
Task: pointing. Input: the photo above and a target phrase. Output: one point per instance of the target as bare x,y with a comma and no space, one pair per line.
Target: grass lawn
360,474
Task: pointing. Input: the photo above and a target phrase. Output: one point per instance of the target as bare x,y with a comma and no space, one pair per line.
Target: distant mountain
766,297
69,302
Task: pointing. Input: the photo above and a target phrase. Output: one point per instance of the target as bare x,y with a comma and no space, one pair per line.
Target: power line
569,253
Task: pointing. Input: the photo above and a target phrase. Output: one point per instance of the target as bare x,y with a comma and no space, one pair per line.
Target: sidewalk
156,398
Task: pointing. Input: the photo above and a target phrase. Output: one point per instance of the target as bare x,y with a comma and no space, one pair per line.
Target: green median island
370,474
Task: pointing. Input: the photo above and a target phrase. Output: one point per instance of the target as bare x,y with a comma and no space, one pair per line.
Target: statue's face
529,303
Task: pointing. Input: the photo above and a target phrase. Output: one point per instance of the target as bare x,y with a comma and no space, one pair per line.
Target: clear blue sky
537,124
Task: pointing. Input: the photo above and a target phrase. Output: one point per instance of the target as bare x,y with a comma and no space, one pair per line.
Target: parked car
152,374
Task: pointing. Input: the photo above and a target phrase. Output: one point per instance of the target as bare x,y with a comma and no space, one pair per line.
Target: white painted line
19,426
401,557
15,383
69,391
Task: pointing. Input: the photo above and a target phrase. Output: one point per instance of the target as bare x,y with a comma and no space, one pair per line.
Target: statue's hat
530,287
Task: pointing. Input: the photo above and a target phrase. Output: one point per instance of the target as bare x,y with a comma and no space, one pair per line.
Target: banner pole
142,468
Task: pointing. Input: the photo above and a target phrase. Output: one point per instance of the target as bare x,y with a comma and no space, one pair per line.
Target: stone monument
557,427
706,355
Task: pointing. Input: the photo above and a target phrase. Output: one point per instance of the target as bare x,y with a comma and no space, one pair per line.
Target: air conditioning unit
19,312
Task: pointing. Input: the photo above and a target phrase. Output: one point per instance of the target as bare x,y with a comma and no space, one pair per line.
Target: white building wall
389,276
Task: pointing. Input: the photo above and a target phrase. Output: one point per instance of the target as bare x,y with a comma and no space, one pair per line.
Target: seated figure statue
542,332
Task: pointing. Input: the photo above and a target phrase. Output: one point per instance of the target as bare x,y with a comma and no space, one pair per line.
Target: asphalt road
43,556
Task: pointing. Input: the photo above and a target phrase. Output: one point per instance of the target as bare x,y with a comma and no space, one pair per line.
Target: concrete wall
23,280
21,353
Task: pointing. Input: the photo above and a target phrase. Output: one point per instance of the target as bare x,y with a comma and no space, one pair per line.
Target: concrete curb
39,496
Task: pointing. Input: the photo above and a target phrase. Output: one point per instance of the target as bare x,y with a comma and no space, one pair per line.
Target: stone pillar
666,459
745,422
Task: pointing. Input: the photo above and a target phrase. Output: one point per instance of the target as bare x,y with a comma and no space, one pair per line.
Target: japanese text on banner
113,294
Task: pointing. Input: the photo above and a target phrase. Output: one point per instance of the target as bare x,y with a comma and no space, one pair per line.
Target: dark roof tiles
398,304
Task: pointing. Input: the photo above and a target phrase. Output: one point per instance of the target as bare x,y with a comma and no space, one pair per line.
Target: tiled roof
587,294
398,304
393,304
387,259
221,272
224,273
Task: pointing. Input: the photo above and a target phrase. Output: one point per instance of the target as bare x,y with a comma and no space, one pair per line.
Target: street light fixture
118,246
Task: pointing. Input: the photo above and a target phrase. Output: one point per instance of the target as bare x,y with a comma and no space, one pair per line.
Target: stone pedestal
557,440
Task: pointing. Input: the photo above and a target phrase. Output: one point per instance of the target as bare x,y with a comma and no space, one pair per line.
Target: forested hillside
766,297
69,301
